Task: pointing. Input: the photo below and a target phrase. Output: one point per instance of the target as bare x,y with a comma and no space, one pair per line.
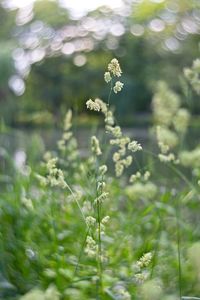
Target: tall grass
120,223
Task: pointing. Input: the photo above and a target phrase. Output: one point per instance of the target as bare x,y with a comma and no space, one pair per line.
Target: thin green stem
80,253
109,96
99,247
78,204
179,248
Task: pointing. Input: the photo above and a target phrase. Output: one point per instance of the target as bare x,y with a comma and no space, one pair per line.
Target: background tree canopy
51,59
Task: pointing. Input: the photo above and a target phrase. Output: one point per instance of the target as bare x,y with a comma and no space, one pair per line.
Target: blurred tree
7,101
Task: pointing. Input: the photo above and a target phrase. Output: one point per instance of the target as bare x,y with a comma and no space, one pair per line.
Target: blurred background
53,55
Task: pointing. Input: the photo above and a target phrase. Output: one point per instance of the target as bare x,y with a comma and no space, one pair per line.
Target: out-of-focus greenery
58,57
43,228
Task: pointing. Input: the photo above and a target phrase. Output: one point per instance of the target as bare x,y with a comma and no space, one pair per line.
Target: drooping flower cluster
91,248
140,267
141,190
134,146
138,175
95,147
96,225
124,144
145,260
68,144
90,221
165,104
120,157
67,134
141,187
190,158
171,121
107,77
92,105
181,120
54,177
118,87
193,75
114,70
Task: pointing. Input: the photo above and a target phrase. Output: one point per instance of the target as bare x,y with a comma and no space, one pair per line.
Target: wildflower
102,105
134,177
165,104
67,135
119,168
134,146
140,278
55,176
196,65
105,220
100,185
114,67
166,158
107,77
116,156
163,148
92,105
95,146
145,260
51,164
118,87
121,142
91,247
140,190
90,221
188,73
166,137
109,120
115,131
47,156
101,198
181,120
42,180
67,121
193,74
103,169
147,174
190,158
128,161
61,145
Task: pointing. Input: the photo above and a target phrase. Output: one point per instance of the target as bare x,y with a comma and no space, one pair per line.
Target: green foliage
50,13
71,230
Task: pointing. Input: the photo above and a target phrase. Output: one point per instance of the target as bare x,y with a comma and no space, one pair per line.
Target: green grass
44,230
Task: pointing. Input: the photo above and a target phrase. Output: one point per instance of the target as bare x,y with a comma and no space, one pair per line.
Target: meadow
119,221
